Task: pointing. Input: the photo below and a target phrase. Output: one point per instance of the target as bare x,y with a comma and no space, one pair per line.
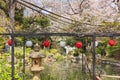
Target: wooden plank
110,76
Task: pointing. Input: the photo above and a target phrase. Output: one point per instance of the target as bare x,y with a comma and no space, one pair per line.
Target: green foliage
101,49
110,26
59,57
43,21
106,50
60,72
18,52
5,66
3,6
26,22
53,51
5,69
77,52
70,41
28,50
19,15
2,42
19,41
113,24
2,30
110,50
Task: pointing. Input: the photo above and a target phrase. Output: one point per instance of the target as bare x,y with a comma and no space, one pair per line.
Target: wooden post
93,56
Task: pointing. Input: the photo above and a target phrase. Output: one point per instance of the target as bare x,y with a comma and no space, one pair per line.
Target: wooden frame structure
92,35
13,35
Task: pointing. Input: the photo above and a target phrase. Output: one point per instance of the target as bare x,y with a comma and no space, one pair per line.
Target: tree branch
71,7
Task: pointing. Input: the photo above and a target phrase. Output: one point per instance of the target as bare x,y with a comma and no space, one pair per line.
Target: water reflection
110,69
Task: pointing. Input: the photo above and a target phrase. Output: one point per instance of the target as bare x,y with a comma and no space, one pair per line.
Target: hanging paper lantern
62,43
78,44
28,43
96,43
46,43
9,42
111,42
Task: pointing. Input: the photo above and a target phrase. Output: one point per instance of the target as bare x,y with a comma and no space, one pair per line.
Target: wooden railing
110,76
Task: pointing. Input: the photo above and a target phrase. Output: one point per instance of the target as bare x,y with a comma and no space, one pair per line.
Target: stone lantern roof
36,53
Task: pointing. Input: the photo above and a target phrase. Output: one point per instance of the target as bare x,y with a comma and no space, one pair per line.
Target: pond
111,70
73,71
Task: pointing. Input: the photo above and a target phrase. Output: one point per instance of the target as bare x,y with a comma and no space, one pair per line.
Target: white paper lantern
62,43
28,43
96,43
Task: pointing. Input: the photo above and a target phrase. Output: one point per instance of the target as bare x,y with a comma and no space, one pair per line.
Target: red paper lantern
9,42
46,43
78,44
111,42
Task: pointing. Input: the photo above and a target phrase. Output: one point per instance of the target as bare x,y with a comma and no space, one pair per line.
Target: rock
69,49
50,59
117,55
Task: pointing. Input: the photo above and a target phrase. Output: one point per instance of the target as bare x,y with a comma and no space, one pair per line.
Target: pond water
111,70
73,71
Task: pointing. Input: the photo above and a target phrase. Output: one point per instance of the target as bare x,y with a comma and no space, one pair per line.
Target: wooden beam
110,76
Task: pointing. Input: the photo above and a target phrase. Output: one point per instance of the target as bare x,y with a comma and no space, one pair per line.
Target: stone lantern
36,62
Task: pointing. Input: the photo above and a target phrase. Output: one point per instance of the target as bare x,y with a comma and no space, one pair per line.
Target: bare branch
71,7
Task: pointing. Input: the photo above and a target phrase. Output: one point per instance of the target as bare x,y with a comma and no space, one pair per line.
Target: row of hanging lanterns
78,44
29,43
46,43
